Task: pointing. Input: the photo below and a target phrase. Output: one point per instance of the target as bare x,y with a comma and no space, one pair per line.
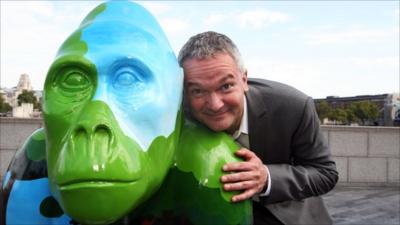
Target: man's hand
249,176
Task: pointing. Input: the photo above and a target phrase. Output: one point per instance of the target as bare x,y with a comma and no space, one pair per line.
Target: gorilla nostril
79,139
93,140
79,131
103,130
102,139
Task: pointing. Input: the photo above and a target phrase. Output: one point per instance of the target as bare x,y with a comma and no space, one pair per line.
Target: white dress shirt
244,128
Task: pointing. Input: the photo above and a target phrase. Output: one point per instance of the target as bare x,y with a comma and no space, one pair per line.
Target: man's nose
215,102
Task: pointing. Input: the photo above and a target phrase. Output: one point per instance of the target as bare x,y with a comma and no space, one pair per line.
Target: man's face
214,89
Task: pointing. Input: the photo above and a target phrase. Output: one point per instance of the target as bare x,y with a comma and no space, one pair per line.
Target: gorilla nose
93,134
94,141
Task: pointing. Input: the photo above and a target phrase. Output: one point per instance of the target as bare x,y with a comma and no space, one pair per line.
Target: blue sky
341,48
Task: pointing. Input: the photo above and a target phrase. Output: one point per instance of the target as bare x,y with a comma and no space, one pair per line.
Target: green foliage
4,106
323,110
27,97
350,117
37,105
365,111
340,115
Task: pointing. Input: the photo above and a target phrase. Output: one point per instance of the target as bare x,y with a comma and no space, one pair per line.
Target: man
287,163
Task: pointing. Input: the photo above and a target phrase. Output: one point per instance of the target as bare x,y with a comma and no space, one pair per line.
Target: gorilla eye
126,77
129,76
74,80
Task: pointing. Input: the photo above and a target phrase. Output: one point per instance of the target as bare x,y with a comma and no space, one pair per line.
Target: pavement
364,205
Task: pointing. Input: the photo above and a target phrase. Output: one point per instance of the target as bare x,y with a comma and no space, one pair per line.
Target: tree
340,116
323,110
350,116
365,111
4,106
27,97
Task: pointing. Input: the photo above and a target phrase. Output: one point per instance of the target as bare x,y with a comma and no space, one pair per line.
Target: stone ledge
360,128
368,184
12,120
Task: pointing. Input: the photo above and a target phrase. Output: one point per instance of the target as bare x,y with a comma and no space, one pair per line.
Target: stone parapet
13,134
367,156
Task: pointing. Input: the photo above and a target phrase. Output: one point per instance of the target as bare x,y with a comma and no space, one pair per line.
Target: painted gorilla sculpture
115,147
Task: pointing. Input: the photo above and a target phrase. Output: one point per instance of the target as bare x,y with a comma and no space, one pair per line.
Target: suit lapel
257,119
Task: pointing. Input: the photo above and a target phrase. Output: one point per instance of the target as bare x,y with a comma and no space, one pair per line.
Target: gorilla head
112,113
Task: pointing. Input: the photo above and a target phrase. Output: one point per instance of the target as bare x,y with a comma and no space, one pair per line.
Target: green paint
204,152
93,14
86,143
200,157
185,194
98,174
38,136
133,174
73,44
205,205
34,147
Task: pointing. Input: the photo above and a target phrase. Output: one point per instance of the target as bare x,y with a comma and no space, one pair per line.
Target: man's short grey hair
207,44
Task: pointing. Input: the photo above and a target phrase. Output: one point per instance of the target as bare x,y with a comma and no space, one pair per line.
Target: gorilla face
111,112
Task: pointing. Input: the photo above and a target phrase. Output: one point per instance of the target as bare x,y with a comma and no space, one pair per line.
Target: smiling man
287,163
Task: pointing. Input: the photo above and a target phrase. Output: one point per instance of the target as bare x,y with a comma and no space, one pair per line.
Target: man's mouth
216,114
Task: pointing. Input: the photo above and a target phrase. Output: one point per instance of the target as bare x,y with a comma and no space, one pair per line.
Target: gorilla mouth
97,184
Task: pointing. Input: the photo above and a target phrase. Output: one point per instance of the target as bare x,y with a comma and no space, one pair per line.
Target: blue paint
24,203
6,178
139,77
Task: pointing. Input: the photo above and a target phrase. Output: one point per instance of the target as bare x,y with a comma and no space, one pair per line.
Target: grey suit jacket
284,132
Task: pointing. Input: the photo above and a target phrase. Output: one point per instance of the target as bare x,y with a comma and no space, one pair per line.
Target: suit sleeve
312,171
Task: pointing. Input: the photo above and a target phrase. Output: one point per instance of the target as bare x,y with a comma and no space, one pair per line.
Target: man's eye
226,87
196,92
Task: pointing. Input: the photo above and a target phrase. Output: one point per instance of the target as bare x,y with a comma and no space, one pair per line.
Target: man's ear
244,79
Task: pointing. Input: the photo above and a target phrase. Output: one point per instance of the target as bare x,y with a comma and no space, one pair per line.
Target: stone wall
13,133
364,155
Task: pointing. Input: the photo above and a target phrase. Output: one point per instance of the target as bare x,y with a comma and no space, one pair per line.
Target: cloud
31,33
173,25
214,19
156,8
254,19
261,18
389,62
304,76
355,34
336,76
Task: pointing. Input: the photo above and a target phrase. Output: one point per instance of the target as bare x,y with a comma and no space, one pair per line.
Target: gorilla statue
115,147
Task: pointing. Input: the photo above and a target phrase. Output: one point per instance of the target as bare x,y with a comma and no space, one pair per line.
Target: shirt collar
244,126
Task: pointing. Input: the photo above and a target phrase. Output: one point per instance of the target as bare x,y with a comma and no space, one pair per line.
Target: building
10,96
388,105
